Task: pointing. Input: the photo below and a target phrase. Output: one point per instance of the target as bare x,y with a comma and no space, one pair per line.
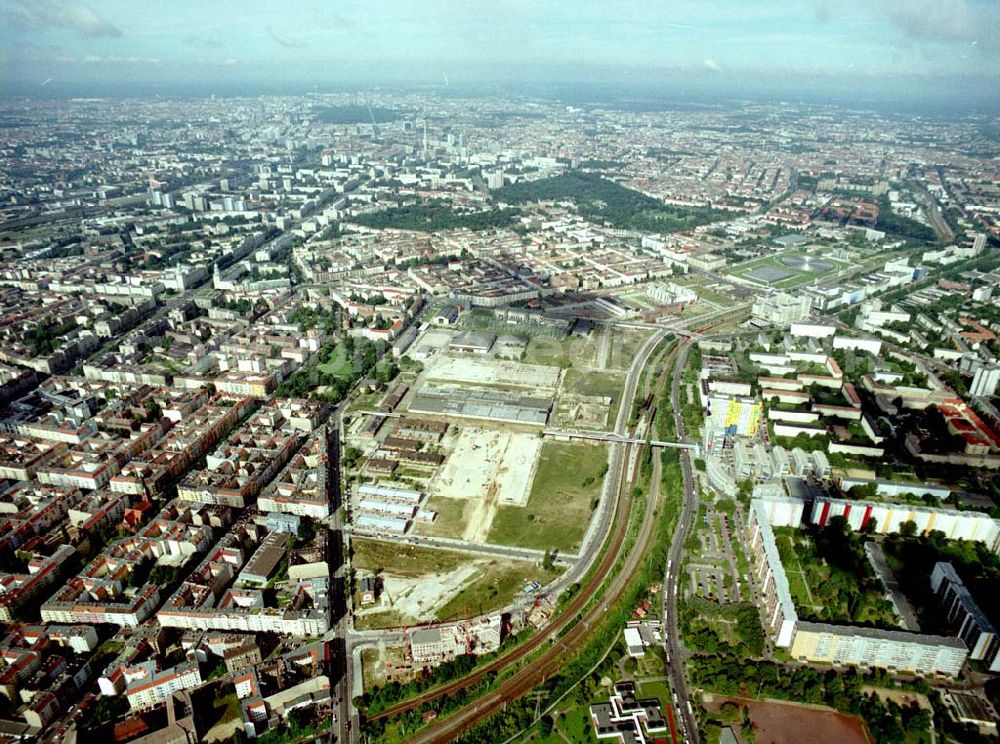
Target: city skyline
464,373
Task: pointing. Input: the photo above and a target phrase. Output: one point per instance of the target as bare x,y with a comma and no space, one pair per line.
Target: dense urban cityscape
419,415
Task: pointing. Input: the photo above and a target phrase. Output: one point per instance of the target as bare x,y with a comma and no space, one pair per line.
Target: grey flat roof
267,556
426,635
473,339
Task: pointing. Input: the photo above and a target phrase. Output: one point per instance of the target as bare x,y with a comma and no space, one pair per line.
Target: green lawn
658,690
710,295
568,480
572,721
576,725
337,366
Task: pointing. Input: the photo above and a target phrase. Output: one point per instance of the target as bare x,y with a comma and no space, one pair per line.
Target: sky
916,47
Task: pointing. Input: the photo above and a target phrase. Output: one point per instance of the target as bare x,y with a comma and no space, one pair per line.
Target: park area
831,579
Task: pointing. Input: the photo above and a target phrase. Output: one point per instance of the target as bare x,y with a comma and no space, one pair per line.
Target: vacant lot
217,713
605,384
450,520
486,469
489,462
403,560
496,583
572,351
424,584
567,482
625,345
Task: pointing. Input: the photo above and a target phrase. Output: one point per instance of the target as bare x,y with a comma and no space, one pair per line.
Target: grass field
658,690
572,723
640,298
498,583
594,383
797,584
450,521
404,560
567,481
338,364
711,295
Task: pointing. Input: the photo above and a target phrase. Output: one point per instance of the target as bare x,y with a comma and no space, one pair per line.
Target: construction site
457,498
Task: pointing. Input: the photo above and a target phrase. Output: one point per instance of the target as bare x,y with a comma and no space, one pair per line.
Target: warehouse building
382,524
480,404
390,493
389,509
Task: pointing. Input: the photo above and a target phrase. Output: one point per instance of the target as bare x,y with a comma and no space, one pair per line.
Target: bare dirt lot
487,468
787,723
421,584
420,599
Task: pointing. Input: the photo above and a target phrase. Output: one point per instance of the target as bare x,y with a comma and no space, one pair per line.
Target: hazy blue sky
920,44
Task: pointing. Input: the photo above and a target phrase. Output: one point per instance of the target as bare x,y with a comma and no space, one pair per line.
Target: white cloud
711,64
63,14
285,41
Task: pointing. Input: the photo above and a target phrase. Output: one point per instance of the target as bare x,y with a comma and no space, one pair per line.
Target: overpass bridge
606,436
